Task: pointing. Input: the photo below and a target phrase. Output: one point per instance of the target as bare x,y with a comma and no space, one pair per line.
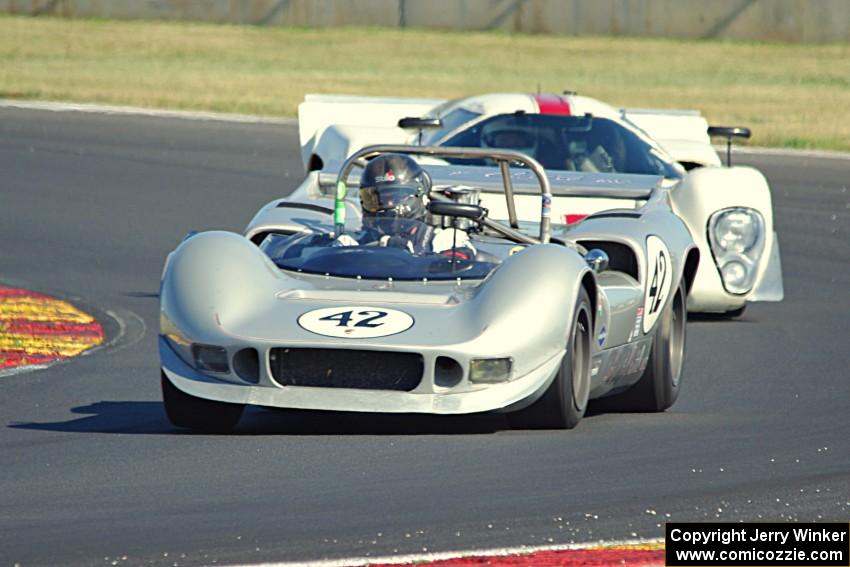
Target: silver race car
537,320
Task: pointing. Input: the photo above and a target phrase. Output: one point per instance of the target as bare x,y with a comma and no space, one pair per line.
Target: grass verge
791,95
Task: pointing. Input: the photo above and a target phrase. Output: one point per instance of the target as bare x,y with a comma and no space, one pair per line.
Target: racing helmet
394,186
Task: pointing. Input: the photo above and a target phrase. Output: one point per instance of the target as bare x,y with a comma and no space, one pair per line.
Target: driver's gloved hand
445,238
344,240
397,242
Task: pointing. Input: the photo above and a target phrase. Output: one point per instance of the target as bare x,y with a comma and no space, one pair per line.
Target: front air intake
344,368
246,364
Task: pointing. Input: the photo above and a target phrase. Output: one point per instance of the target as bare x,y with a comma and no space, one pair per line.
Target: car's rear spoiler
489,180
683,133
318,112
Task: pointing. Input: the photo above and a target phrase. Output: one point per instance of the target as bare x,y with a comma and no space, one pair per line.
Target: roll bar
502,157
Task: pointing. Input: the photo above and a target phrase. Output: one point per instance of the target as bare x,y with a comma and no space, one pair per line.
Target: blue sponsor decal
603,335
546,211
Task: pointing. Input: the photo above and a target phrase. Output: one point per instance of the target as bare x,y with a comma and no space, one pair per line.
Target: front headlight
210,358
490,370
736,236
205,358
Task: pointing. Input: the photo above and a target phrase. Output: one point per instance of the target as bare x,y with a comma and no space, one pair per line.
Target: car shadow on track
109,417
148,418
719,318
262,421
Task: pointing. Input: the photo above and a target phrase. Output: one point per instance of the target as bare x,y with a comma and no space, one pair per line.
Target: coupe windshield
572,143
401,249
452,120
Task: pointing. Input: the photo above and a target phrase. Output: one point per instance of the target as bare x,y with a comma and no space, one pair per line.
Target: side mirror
729,132
416,123
597,260
413,122
461,210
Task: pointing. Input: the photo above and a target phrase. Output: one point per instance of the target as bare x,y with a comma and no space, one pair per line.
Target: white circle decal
356,322
658,278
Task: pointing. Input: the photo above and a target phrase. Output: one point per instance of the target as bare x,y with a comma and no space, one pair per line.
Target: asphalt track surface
91,472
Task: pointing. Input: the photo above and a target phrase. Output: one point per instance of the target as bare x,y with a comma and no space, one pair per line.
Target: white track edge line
139,111
23,369
765,151
252,119
442,555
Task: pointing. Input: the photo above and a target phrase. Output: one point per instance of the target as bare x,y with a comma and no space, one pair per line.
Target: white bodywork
332,128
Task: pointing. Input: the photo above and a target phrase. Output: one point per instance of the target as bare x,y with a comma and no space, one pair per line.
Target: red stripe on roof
552,104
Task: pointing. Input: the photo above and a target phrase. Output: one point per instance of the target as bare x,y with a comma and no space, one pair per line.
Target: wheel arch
689,271
588,282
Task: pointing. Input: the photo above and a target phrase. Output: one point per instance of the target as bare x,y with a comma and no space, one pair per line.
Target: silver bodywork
220,289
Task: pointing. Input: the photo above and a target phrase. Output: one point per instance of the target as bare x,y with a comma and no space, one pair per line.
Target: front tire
184,410
563,404
658,388
735,313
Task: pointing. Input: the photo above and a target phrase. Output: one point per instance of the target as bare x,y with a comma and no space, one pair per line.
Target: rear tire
184,410
658,388
563,404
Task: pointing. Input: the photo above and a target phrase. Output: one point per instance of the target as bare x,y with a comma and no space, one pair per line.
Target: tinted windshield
395,248
452,120
572,143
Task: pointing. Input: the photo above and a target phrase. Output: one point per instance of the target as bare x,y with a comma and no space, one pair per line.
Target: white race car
727,209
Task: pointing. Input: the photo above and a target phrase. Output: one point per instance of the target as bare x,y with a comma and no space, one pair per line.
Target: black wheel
190,412
735,313
658,388
563,404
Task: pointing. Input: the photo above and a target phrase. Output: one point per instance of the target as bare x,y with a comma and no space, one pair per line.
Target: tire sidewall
190,412
665,384
573,408
556,408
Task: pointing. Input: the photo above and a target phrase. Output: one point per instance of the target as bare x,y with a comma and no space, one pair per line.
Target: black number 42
345,317
658,279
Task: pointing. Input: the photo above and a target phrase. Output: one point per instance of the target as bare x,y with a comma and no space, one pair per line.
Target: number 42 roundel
658,279
355,322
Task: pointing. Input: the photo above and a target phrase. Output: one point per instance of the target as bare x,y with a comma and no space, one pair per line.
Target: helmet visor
395,198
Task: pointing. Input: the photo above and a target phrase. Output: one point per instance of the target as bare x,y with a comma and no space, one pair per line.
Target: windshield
571,143
401,249
452,120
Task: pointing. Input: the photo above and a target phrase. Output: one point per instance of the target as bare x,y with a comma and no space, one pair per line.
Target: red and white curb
37,330
644,553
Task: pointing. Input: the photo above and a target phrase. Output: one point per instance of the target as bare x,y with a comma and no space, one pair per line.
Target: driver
392,196
603,150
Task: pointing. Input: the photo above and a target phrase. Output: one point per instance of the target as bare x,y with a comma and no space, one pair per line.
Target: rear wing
682,133
318,112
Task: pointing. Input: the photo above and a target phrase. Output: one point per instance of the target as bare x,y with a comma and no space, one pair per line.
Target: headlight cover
210,358
737,240
490,370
